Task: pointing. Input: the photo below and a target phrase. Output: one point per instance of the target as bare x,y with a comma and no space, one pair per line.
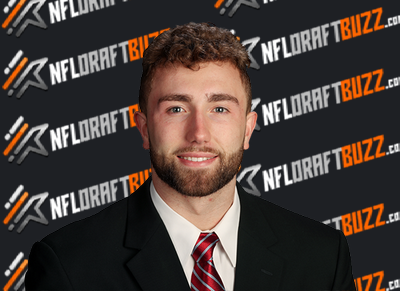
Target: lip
197,164
198,155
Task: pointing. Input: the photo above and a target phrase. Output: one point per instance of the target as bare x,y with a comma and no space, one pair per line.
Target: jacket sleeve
45,272
343,277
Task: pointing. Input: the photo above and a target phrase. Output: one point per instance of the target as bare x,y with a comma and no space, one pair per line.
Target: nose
198,128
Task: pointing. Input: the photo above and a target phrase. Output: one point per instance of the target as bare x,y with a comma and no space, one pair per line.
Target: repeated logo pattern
274,38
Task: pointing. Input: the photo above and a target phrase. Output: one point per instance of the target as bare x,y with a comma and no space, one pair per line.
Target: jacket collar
257,268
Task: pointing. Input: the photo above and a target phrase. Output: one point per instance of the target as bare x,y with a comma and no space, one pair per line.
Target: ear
251,120
141,124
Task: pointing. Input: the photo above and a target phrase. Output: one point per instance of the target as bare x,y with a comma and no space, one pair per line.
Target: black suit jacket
127,247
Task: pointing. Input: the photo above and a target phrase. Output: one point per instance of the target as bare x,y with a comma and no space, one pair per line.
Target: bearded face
197,126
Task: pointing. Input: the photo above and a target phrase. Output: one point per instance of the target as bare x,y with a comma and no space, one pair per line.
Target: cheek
164,135
229,136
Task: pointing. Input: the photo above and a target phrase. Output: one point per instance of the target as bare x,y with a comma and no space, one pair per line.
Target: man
191,226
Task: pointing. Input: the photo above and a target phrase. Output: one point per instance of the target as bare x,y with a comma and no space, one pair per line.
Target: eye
220,110
175,110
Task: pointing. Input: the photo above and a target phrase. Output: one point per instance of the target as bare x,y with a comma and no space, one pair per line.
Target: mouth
196,159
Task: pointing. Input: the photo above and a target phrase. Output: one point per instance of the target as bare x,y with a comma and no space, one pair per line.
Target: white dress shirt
184,236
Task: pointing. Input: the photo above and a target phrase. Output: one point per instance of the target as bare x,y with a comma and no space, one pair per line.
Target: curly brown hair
191,44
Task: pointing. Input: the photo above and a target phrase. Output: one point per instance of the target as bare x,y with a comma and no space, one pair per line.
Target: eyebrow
222,97
188,98
175,97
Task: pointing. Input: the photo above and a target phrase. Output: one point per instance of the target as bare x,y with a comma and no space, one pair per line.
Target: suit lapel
257,268
156,265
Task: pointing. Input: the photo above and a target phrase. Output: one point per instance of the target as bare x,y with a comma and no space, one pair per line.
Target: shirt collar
184,234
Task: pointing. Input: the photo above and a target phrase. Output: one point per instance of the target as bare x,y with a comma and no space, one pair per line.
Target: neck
202,212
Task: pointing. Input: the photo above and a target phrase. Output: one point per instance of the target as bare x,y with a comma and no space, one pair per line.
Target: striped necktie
205,277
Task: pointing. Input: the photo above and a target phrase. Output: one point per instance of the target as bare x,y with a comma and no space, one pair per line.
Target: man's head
195,99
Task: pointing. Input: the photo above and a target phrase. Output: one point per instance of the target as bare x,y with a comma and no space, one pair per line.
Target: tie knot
204,247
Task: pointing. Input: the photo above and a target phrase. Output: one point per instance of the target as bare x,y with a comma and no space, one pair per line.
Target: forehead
208,78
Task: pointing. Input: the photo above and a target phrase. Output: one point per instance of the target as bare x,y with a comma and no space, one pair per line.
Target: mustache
192,149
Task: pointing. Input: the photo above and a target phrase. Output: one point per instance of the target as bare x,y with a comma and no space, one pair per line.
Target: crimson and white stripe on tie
205,277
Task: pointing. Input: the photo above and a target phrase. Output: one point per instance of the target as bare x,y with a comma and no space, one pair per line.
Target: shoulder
299,240
77,253
288,225
105,228
320,252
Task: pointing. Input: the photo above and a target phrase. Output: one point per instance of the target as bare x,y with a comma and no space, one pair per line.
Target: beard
196,182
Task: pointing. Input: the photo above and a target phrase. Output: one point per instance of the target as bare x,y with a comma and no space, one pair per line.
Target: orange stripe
219,2
15,208
15,139
16,274
15,73
12,14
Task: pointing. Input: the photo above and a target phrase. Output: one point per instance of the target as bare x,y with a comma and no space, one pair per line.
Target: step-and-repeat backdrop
325,78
